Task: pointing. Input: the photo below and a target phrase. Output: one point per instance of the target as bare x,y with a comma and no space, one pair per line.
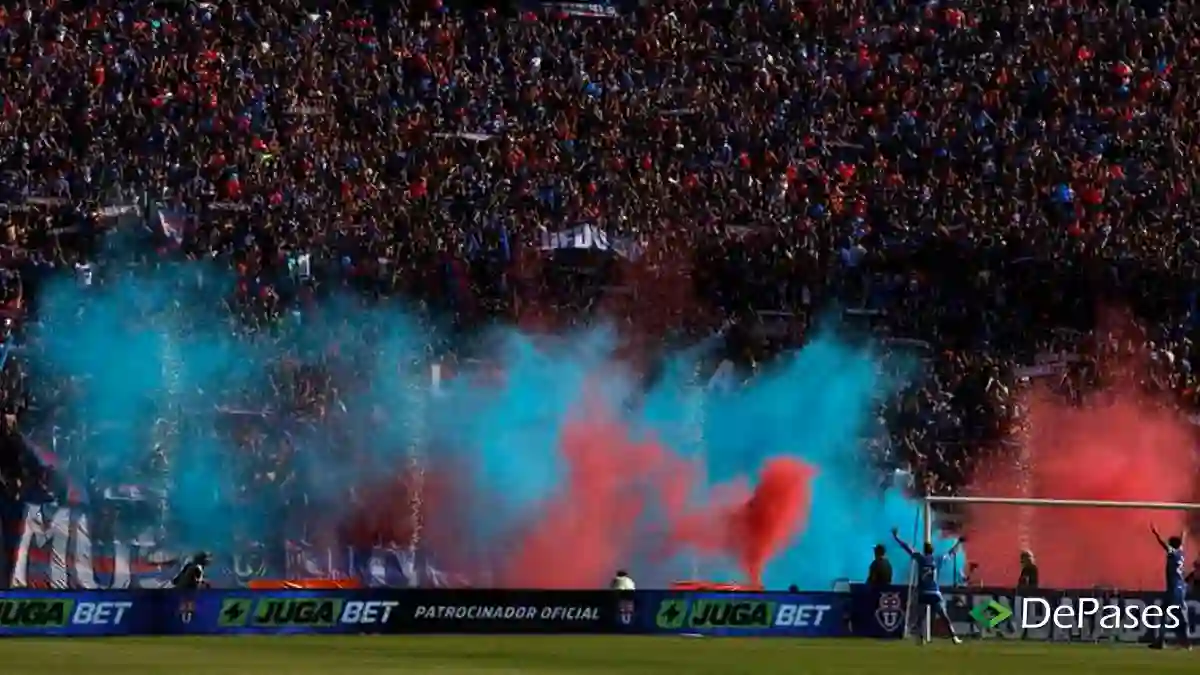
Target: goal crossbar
1090,503
929,501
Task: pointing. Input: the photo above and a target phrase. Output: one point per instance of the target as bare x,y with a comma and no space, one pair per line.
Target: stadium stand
975,180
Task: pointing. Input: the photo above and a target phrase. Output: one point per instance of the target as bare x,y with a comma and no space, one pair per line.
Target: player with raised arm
929,593
1176,589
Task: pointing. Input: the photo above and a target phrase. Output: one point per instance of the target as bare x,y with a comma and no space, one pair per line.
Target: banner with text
484,611
215,612
391,566
33,613
747,614
282,612
54,546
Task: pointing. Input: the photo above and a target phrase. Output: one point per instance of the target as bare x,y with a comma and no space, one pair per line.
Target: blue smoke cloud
156,360
818,404
145,364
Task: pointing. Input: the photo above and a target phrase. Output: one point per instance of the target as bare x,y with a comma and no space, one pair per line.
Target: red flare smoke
773,516
622,500
623,496
1125,449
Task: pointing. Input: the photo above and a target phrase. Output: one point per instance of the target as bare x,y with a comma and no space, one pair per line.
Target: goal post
927,518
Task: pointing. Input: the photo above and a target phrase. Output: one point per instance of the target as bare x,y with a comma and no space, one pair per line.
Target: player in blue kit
929,593
1176,589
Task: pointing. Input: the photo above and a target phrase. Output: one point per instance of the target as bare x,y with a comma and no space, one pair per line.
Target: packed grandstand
980,182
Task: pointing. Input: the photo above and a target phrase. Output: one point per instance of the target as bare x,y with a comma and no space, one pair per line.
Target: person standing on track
191,576
928,591
622,582
1175,594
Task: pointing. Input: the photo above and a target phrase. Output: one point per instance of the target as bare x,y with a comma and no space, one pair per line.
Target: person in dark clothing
1193,580
880,572
191,576
1029,573
1028,580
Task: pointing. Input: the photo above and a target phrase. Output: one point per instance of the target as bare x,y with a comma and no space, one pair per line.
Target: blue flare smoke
156,359
145,364
818,404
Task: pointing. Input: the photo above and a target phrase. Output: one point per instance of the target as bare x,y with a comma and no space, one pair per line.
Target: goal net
1081,553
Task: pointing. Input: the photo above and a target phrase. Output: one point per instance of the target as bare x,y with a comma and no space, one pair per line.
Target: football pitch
494,655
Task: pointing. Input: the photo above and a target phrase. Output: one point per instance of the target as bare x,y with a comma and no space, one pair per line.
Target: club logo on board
890,611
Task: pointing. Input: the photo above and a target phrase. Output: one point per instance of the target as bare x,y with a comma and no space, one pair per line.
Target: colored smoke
1121,447
660,481
765,524
136,352
624,499
818,405
553,475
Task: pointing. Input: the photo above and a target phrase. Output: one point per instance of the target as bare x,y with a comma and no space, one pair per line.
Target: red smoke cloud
1122,447
621,494
436,495
764,524
622,500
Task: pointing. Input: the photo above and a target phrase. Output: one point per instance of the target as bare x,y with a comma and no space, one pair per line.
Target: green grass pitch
489,655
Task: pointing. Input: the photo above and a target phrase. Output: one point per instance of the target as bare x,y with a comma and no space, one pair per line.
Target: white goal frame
927,517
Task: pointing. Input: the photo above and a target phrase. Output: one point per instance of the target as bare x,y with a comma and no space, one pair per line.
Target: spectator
880,573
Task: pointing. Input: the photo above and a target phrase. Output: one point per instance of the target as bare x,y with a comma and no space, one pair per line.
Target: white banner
173,224
591,10
588,236
55,551
1047,364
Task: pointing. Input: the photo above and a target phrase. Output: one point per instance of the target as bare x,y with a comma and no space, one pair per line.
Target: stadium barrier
416,611
863,612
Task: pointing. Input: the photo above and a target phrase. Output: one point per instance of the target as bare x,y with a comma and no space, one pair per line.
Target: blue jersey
927,573
1174,569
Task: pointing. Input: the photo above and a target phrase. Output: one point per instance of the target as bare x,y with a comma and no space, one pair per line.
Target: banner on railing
878,612
286,612
42,613
863,612
379,567
54,547
400,611
482,611
151,612
604,9
748,614
171,612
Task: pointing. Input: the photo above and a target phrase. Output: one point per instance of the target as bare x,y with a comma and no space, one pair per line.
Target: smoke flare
554,473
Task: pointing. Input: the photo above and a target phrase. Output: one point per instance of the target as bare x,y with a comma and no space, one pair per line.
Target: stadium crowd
975,180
